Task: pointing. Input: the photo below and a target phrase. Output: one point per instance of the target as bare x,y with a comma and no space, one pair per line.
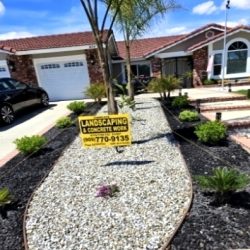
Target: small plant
126,101
31,144
106,191
165,84
211,132
224,182
96,91
180,102
5,197
209,82
77,107
64,122
189,116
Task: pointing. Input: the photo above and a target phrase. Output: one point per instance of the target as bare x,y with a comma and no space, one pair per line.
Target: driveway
33,122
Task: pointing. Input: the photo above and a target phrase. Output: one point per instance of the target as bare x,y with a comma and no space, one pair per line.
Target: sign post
105,131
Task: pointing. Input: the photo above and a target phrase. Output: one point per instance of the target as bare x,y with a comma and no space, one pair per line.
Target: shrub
209,82
163,85
223,182
126,101
5,196
31,144
64,122
77,107
211,132
180,102
189,116
96,91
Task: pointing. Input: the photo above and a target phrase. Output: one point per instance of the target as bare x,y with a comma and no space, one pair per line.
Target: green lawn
243,92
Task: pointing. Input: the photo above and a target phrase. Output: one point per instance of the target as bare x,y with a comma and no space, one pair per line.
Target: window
237,58
139,70
2,69
4,86
73,64
217,64
50,66
17,84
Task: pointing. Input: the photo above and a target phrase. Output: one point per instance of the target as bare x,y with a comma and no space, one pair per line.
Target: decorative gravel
154,192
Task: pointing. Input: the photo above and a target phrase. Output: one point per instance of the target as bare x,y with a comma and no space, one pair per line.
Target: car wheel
7,114
44,100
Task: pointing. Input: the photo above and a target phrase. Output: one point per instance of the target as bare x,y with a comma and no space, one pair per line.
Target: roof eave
217,39
180,41
53,50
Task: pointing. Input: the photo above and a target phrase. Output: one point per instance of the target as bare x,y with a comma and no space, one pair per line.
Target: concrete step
233,118
219,99
225,105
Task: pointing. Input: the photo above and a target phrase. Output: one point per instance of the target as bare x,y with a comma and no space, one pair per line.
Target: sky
25,18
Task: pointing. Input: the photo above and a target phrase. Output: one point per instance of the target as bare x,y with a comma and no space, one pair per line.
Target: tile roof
218,36
142,47
189,35
48,42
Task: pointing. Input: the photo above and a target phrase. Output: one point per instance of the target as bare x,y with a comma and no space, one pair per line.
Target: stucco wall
219,45
183,46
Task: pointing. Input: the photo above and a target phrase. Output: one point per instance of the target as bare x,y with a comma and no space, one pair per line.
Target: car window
4,86
17,84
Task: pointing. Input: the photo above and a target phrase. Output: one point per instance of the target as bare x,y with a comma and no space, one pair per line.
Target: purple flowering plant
107,191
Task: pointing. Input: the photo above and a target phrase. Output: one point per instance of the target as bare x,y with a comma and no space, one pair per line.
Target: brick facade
200,61
94,68
156,67
22,69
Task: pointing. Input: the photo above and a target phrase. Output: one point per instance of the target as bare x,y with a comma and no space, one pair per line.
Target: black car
16,95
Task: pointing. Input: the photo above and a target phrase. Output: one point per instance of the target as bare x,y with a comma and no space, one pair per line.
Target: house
63,64
66,64
192,52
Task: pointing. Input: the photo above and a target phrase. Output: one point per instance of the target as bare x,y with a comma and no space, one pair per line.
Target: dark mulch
22,175
208,225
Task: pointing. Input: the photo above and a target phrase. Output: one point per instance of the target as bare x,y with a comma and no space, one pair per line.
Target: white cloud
232,24
205,8
14,34
238,4
2,9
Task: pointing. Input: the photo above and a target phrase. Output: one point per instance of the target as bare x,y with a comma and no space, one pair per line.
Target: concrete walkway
37,122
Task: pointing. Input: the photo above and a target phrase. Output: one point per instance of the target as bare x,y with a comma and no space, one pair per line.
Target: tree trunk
129,74
103,58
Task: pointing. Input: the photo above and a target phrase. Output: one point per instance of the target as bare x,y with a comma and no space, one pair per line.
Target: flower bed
22,175
209,226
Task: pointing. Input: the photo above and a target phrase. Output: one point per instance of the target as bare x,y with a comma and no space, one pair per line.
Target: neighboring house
192,52
64,64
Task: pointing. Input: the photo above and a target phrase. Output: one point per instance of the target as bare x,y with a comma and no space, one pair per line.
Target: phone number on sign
102,139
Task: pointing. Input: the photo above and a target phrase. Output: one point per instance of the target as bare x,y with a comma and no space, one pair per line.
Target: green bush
96,91
31,144
5,196
77,107
165,84
126,101
209,82
223,182
211,132
180,102
189,116
64,122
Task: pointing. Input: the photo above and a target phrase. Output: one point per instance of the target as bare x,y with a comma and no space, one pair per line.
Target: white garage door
64,80
4,70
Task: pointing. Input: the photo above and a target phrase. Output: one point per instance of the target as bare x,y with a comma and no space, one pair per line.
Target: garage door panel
64,80
4,70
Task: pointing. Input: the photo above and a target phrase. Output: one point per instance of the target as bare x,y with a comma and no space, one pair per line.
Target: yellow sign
105,131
